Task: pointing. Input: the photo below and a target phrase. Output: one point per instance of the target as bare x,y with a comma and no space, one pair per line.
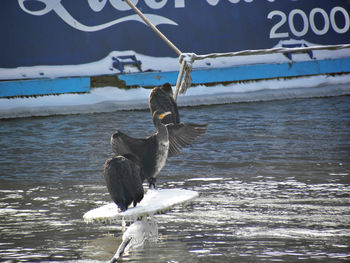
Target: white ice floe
154,202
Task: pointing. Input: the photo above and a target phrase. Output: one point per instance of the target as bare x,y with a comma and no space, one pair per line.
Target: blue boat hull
242,73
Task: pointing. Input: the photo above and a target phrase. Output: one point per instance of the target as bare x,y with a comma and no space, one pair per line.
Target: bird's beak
162,115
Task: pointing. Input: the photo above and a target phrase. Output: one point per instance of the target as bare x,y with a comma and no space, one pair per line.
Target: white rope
160,34
269,51
179,79
181,84
186,60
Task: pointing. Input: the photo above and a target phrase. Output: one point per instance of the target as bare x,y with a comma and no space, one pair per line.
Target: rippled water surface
273,179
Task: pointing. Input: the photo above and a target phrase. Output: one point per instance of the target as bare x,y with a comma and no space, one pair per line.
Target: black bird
180,134
136,160
151,153
123,176
161,99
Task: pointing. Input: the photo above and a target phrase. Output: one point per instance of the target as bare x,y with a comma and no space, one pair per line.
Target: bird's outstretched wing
123,144
123,180
161,99
183,135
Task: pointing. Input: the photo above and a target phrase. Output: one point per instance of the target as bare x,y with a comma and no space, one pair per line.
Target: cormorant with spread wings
148,156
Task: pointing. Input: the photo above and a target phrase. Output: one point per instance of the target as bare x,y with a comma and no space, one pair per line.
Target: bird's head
158,116
167,88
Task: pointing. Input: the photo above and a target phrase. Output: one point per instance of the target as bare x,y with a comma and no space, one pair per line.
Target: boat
61,46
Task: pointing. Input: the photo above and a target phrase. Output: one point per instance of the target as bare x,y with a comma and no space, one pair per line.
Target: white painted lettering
313,26
346,19
155,4
213,2
303,16
97,5
122,5
179,3
322,28
273,31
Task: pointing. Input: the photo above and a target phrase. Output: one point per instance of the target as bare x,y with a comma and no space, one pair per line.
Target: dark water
273,179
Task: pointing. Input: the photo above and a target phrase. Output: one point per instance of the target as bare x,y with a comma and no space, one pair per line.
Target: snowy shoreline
109,99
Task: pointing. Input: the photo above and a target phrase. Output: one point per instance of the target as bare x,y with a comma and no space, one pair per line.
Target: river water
273,179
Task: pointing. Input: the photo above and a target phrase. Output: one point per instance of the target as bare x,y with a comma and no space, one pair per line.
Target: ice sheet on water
155,201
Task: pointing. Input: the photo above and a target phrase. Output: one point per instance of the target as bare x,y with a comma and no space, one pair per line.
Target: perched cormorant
161,99
123,177
151,152
180,134
136,160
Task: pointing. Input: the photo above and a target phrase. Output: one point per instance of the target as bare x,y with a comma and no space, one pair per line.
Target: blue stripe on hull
242,73
43,86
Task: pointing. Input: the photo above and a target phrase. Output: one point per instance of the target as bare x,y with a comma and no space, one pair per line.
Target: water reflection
136,235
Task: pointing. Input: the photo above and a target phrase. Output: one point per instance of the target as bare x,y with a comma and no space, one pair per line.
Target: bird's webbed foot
122,207
152,183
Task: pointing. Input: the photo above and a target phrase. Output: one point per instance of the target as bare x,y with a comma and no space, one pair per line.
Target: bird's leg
152,183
